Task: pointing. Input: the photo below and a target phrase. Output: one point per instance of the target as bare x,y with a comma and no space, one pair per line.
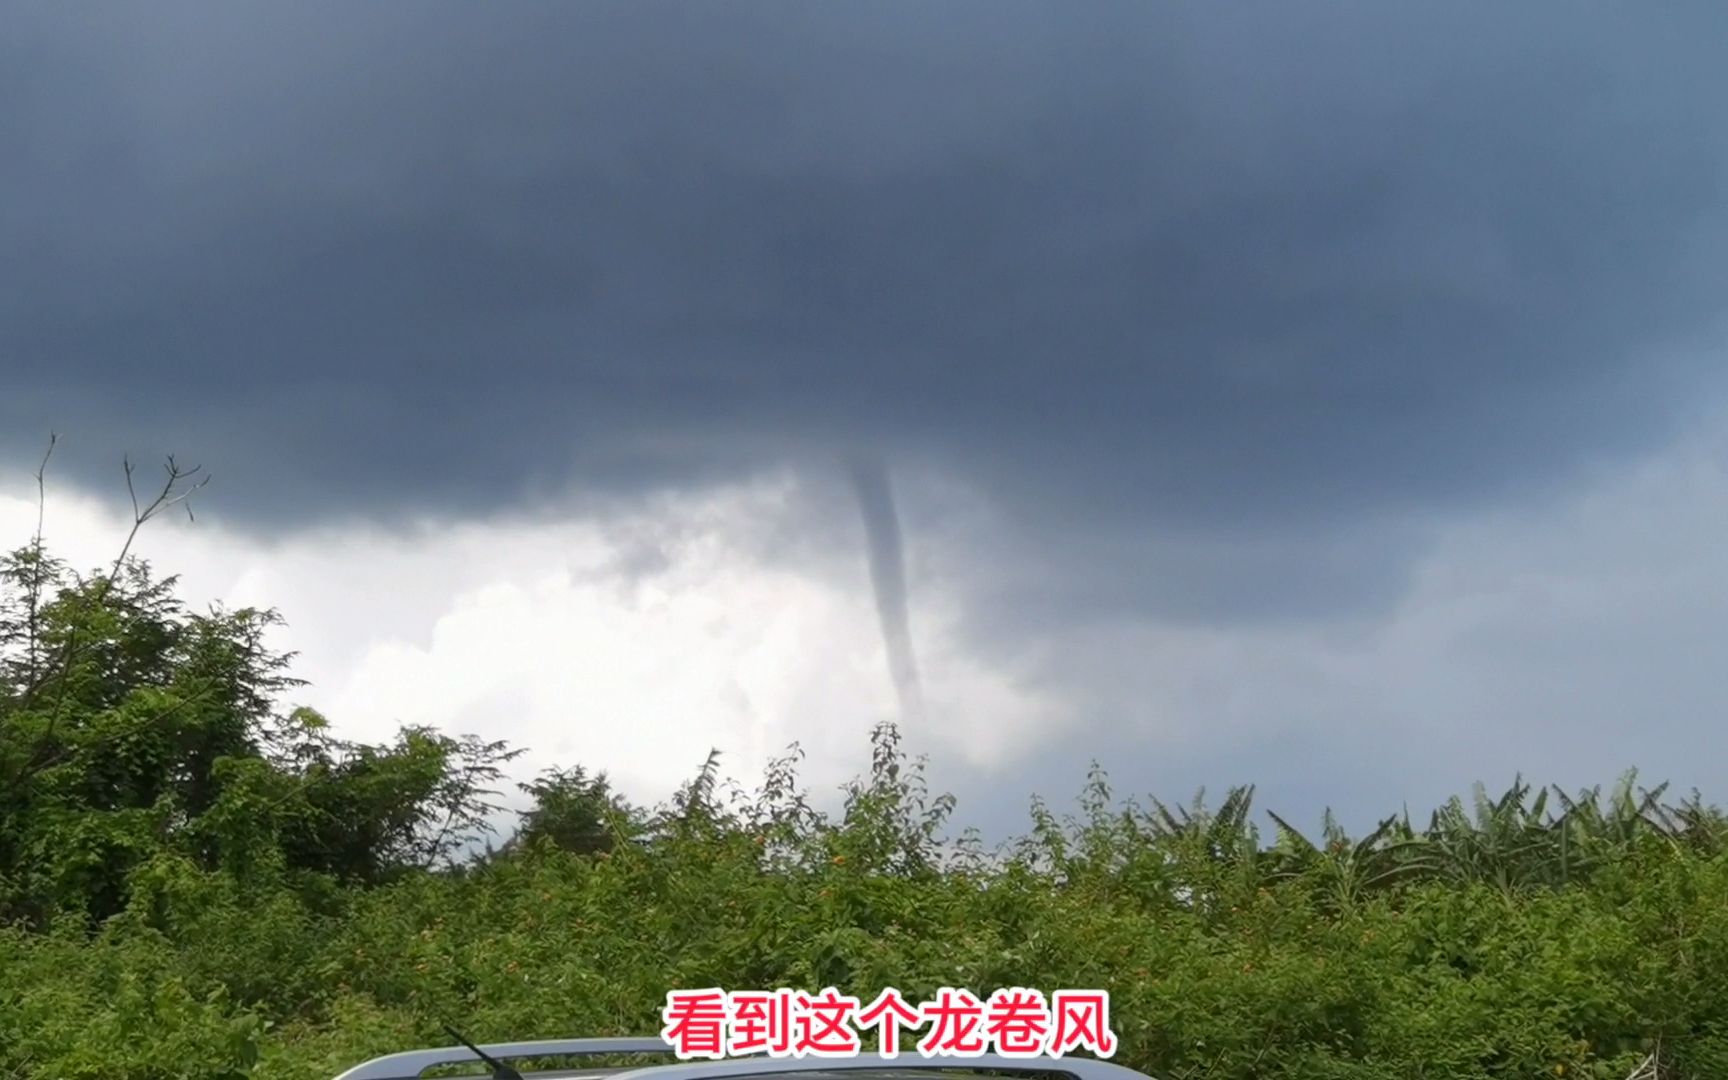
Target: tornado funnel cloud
875,493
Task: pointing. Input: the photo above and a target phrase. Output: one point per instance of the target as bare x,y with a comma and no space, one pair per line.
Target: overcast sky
1327,396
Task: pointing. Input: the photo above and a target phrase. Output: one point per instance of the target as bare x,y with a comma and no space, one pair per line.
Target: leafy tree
575,812
132,728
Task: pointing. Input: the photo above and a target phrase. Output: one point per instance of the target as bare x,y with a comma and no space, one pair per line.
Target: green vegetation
196,881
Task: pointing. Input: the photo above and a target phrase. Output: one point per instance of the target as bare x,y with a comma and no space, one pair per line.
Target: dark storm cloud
1191,268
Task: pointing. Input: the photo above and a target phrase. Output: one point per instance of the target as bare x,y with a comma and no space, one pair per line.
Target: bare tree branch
38,571
41,490
164,499
172,492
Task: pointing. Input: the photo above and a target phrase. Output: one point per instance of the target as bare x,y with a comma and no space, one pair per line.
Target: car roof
413,1064
812,1072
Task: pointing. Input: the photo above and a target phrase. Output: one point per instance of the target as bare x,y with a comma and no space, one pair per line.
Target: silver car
413,1064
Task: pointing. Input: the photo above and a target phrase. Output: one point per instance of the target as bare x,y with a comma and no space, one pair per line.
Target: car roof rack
1077,1068
412,1064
